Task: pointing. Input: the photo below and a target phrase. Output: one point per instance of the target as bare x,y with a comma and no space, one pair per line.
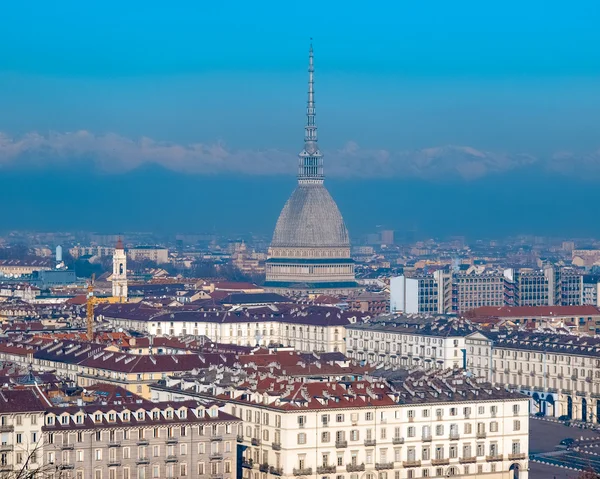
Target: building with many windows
303,327
559,372
116,440
436,424
410,341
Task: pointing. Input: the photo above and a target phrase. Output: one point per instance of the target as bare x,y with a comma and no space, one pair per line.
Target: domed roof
310,219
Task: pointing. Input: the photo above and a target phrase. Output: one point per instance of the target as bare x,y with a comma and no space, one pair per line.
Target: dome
310,219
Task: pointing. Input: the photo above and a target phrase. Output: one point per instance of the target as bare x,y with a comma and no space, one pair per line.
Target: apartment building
21,421
146,440
157,254
88,364
302,327
119,441
421,293
461,290
432,424
560,373
409,341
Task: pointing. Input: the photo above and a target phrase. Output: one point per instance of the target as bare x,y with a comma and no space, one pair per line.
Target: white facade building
410,341
433,425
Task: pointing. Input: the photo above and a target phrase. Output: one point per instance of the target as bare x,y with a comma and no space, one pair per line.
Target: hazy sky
431,90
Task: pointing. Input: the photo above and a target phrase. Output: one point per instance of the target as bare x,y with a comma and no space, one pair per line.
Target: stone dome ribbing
310,219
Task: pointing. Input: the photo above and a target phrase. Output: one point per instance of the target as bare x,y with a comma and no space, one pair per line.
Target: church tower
119,276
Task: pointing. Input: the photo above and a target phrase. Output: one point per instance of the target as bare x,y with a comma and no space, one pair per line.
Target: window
301,438
200,468
410,431
368,416
301,421
339,418
183,469
493,426
515,409
98,454
516,425
325,437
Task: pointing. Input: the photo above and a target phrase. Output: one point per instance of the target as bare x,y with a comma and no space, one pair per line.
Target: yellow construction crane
91,301
90,308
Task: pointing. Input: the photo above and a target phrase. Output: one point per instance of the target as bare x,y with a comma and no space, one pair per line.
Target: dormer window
169,414
111,417
125,416
98,418
50,420
79,419
182,414
64,419
155,415
140,415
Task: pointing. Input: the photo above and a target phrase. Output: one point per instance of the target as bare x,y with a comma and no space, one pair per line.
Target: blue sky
430,90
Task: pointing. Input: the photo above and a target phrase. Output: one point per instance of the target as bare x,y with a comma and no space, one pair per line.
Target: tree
33,466
588,474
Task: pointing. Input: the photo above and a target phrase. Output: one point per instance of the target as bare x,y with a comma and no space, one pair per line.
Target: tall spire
310,160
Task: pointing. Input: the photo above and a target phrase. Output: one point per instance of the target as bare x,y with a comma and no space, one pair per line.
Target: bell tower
119,276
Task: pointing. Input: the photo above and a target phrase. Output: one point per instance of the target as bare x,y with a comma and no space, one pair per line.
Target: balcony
6,447
467,460
240,439
370,442
517,457
67,447
440,462
398,440
216,438
114,463
263,467
66,466
306,471
330,469
7,428
114,444
276,446
341,444
248,464
215,476
426,438
143,442
172,440
574,378
382,466
171,458
411,419
143,460
355,467
255,441
496,458
454,436
411,463
276,471
481,435
215,456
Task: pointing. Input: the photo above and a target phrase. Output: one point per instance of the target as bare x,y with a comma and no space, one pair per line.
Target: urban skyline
407,121
426,303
